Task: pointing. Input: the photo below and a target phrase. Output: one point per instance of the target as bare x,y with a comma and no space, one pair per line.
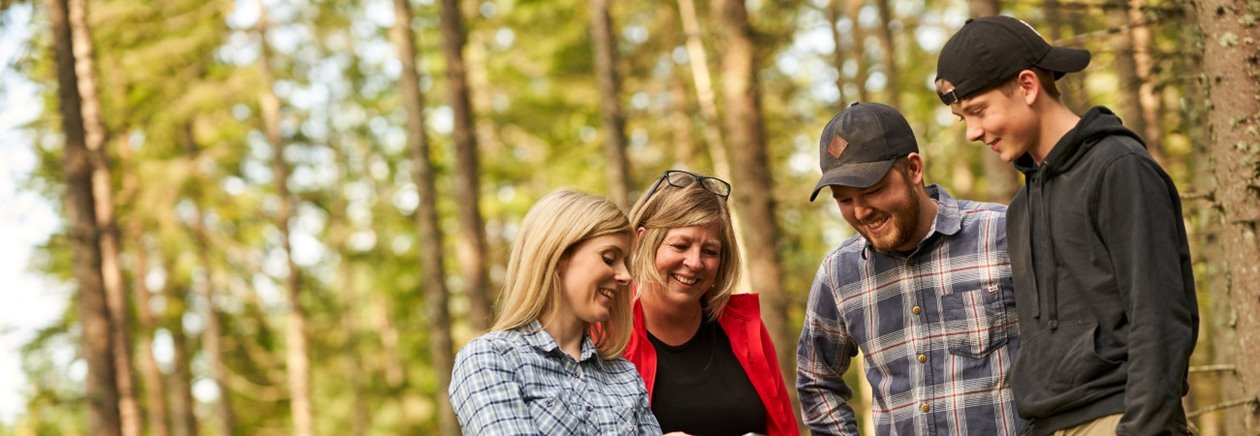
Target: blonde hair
671,207
531,286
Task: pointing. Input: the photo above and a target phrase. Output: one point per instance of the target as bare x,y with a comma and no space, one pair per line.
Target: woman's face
688,259
592,275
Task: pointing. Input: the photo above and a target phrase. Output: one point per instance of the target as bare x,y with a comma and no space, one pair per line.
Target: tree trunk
834,12
892,88
471,250
102,195
296,356
211,336
698,58
183,408
1130,109
433,277
853,8
618,171
150,371
1148,96
84,238
754,199
1234,165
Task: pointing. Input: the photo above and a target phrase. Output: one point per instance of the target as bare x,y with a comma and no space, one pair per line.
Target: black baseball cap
989,51
860,144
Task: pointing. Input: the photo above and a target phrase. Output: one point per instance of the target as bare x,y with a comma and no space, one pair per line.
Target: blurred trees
281,203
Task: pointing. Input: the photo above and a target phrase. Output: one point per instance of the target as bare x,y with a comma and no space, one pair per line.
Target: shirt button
925,408
923,359
910,262
916,310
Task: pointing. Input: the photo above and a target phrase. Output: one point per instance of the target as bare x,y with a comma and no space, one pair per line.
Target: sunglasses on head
683,179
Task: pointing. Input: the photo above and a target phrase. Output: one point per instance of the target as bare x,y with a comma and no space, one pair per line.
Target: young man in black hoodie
1103,283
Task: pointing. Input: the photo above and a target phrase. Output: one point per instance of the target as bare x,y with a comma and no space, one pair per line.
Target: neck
567,332
927,214
1055,121
671,322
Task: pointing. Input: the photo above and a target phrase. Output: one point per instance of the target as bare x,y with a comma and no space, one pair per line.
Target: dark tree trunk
754,200
886,39
618,171
432,275
472,250
84,236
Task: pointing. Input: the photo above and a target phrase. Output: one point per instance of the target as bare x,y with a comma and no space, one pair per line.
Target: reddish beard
901,224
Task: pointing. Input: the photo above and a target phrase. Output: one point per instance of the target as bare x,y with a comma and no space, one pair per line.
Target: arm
822,357
1140,222
485,393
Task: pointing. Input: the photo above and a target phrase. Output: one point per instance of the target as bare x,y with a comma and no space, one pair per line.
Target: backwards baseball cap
989,51
860,144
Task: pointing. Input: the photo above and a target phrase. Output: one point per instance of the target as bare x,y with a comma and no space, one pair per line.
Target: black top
1103,285
701,389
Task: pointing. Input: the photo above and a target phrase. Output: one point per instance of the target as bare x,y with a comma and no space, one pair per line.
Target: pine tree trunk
1143,64
150,372
471,250
183,408
84,236
296,355
699,61
605,45
892,88
853,8
834,11
211,337
754,200
433,277
1233,164
102,195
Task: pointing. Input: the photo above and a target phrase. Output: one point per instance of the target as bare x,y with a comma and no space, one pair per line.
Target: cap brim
855,175
1065,60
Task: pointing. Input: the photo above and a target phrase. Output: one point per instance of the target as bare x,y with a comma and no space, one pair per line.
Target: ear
638,235
1029,85
915,168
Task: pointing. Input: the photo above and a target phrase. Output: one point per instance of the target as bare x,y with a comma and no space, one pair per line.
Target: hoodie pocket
975,321
1060,369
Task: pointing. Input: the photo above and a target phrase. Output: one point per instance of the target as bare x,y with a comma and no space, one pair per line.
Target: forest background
263,217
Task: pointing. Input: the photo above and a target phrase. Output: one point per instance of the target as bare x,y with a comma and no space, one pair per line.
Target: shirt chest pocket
560,412
976,321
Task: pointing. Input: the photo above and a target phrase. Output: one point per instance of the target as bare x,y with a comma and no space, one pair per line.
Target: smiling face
1002,118
889,214
688,259
591,276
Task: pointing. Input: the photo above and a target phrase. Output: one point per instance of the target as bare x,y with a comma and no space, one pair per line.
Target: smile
684,280
607,293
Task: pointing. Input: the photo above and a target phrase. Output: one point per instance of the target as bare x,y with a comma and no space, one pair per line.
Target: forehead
705,234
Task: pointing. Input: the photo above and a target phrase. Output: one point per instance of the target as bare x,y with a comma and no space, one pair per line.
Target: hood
1096,123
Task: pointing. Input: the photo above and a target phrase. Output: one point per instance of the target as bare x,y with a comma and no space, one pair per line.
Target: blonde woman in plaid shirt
552,362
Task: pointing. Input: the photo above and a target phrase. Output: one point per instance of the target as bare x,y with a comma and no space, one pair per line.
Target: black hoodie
1103,284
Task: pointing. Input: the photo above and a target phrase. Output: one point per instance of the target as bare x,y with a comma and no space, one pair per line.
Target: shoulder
491,348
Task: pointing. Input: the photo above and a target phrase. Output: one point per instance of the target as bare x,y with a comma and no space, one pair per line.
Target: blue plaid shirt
519,382
937,329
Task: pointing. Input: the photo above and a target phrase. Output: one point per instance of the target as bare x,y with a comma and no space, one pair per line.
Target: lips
876,225
685,280
607,293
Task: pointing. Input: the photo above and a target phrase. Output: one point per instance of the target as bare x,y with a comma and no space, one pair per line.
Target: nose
622,274
974,132
861,209
692,259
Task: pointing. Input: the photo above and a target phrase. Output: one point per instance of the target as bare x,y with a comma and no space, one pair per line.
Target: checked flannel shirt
519,382
937,330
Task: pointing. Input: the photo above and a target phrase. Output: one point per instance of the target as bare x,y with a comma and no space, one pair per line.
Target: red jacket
750,342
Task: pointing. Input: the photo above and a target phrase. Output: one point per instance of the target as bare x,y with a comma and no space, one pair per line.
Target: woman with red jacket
704,354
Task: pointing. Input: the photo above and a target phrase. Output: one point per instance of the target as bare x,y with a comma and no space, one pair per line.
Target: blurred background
264,217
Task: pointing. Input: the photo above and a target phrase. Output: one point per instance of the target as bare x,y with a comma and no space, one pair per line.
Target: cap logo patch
837,146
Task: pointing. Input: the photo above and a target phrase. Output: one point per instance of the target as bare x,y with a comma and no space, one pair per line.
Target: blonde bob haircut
671,207
531,286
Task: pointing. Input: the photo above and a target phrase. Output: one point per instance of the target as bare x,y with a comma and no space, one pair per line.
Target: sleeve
648,425
786,422
822,357
1140,222
486,394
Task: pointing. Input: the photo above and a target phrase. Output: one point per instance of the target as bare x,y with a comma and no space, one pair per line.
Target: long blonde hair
531,286
670,207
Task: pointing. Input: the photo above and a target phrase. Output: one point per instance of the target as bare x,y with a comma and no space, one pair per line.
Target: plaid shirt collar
540,340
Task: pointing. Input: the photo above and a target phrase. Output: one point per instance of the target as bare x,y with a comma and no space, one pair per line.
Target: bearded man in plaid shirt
924,291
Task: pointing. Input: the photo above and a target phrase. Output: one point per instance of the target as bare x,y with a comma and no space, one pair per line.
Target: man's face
886,213
1000,118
